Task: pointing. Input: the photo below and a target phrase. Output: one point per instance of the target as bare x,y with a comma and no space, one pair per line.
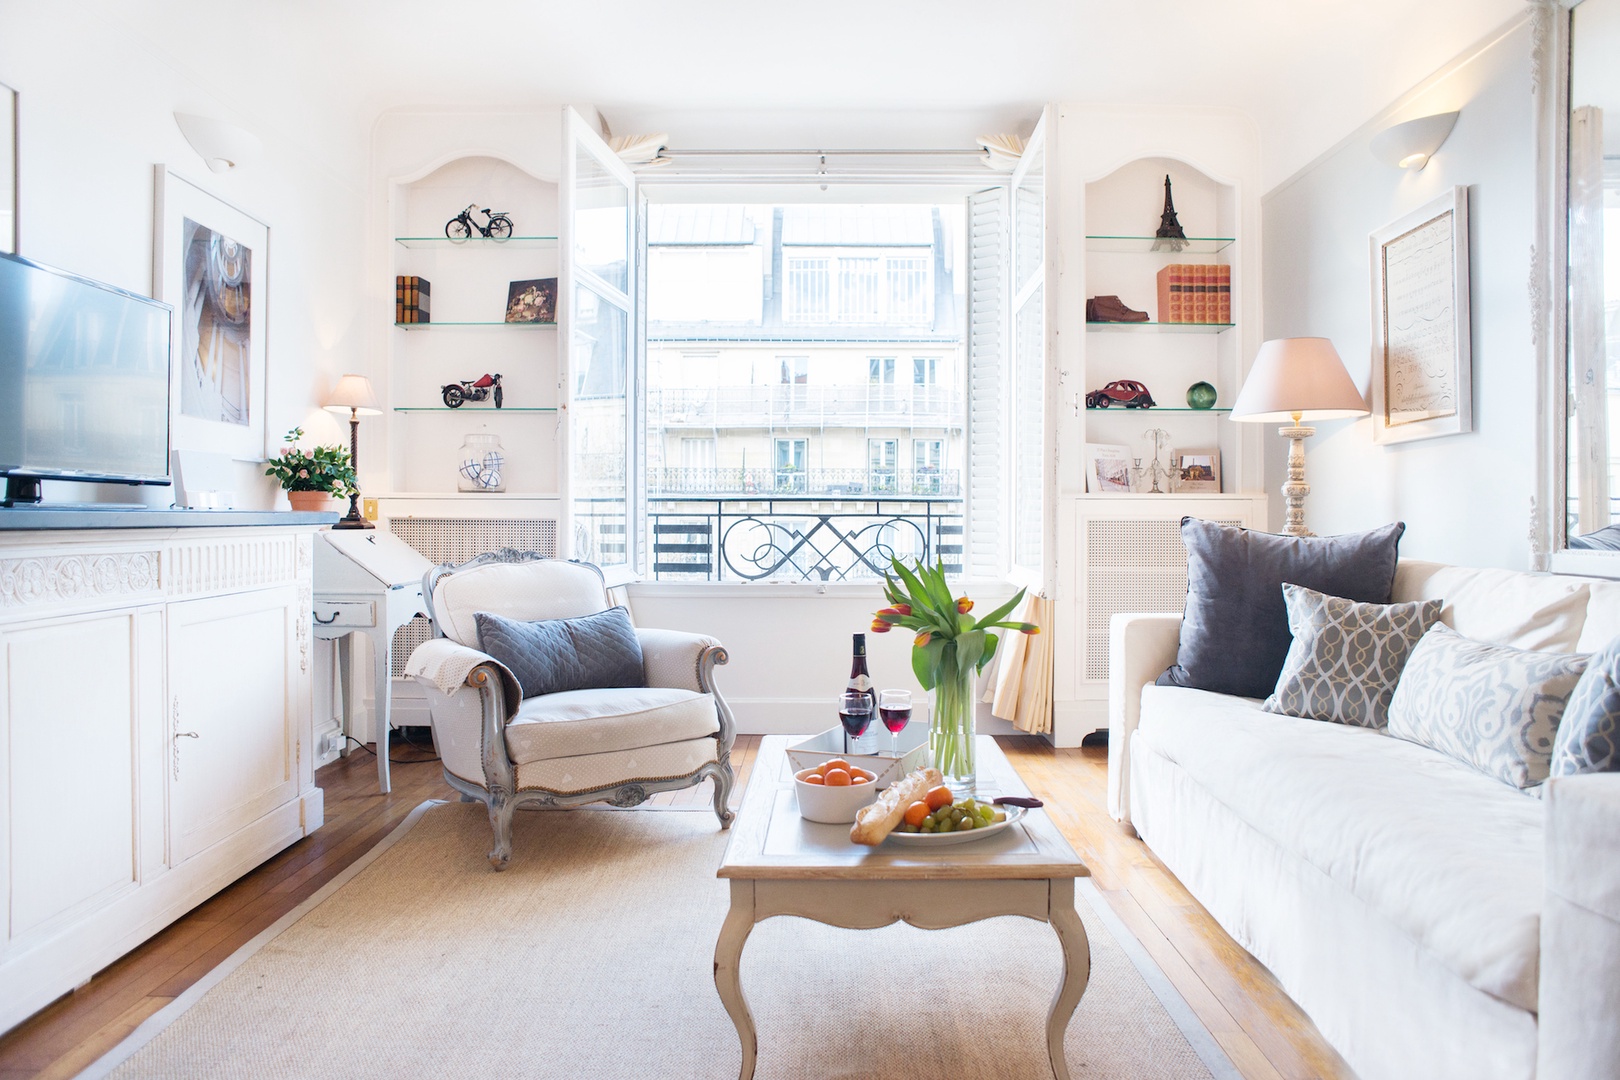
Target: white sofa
1433,921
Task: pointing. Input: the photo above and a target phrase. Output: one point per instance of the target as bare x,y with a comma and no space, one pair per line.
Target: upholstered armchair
617,744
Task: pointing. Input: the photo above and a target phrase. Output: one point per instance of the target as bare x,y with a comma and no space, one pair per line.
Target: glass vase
480,464
950,724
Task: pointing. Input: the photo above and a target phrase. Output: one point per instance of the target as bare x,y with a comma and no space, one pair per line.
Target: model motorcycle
473,390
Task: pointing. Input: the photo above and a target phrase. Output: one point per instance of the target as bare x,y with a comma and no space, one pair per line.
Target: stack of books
412,299
1195,293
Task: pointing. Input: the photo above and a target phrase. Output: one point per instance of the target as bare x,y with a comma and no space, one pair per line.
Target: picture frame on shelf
1196,472
210,261
1422,362
1108,469
532,301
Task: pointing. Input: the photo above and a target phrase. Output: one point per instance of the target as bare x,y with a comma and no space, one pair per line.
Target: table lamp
353,393
1297,379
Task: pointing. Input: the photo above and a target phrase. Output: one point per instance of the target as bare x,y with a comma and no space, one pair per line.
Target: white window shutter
987,348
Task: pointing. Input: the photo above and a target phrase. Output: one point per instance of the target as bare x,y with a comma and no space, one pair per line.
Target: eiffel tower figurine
1170,236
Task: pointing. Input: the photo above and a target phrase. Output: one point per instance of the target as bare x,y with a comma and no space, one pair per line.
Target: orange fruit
814,778
835,763
938,797
862,773
860,780
916,813
837,778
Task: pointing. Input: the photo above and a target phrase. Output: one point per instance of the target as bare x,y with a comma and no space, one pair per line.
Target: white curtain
1021,689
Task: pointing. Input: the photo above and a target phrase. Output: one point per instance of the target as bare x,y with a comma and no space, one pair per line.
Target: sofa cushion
1447,855
1588,738
1503,607
1234,635
552,655
1490,706
1346,657
578,722
593,772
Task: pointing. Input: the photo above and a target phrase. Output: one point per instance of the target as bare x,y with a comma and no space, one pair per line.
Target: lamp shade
353,392
1411,144
1298,376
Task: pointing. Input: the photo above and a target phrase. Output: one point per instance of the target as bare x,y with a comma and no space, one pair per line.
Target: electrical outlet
332,743
370,509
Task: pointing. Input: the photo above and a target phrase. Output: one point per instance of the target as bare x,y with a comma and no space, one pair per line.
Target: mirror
1592,461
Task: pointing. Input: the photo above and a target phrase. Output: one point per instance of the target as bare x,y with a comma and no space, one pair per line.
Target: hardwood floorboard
1266,1036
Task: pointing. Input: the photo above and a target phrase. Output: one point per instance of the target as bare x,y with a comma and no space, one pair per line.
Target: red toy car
1129,392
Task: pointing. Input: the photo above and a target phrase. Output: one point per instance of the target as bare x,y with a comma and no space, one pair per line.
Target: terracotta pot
317,501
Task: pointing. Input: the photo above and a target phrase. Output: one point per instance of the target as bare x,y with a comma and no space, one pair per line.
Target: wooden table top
769,840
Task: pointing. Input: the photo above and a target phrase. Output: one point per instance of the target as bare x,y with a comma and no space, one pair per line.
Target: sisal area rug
592,956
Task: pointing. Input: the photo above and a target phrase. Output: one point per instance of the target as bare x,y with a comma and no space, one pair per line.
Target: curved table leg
1071,934
728,972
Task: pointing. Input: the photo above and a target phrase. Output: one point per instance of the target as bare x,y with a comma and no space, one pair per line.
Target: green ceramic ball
1201,395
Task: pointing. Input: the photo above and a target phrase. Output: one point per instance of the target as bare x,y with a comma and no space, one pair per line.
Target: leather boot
1111,309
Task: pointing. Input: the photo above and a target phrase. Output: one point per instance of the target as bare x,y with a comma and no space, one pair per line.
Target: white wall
96,106
1466,498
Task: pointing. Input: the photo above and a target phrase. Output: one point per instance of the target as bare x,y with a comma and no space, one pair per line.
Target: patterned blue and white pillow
1489,706
1346,659
1588,737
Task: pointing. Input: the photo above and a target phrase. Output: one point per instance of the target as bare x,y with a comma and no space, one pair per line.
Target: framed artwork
210,261
1196,471
533,301
1422,363
9,204
1108,469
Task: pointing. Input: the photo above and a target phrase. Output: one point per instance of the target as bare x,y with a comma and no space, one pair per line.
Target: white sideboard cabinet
155,731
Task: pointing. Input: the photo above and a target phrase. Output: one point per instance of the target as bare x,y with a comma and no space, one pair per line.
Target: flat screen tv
84,381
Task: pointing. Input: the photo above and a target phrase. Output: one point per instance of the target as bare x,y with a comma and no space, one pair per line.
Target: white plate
918,839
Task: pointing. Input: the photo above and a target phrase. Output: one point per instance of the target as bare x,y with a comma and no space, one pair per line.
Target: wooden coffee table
780,864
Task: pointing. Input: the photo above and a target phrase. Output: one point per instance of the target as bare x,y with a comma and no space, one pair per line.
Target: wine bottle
859,683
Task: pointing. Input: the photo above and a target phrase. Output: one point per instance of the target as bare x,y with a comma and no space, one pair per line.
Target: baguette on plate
875,821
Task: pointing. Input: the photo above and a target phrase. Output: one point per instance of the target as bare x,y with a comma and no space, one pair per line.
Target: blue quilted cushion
588,653
1588,738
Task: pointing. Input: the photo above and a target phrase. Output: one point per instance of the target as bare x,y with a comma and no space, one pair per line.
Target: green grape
969,821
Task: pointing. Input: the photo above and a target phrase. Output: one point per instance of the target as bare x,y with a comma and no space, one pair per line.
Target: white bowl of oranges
834,791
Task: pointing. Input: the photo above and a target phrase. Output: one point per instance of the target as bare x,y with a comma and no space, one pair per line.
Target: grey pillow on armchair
553,655
1234,635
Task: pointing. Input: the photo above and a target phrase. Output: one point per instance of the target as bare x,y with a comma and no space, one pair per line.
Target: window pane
910,292
599,429
858,289
807,298
601,222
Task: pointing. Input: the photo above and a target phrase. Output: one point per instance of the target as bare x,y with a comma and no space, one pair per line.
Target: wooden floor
1262,1031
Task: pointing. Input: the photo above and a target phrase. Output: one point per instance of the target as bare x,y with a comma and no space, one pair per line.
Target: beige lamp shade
353,392
1301,377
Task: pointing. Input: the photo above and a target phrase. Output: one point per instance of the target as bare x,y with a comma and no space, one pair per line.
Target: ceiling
1307,71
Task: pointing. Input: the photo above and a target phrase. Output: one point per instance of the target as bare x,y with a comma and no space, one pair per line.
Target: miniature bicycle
462,225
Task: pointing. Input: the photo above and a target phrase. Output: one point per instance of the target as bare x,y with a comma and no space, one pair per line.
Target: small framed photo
1108,469
532,301
1196,471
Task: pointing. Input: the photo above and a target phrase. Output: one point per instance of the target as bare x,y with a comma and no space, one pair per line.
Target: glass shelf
1154,409
481,410
476,242
1196,245
492,322
1159,327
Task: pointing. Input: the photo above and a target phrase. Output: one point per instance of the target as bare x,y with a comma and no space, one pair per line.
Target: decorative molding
61,579
229,564
306,600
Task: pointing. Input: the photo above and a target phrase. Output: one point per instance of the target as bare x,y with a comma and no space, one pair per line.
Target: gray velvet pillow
553,655
1588,738
1234,635
1346,657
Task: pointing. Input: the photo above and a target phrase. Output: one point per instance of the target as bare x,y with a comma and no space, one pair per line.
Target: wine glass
855,713
894,706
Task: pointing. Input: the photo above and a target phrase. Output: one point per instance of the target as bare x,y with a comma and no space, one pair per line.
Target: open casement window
601,371
1007,374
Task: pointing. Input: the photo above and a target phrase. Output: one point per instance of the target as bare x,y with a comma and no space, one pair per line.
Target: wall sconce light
1409,145
222,146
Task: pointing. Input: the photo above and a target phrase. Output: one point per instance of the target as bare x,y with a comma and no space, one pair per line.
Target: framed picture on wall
210,261
1108,469
1422,363
1196,471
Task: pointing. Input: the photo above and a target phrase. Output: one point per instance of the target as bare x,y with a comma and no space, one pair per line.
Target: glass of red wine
855,713
894,706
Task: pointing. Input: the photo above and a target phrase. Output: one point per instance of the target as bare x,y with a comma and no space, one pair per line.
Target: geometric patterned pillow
1489,706
1588,737
1346,657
